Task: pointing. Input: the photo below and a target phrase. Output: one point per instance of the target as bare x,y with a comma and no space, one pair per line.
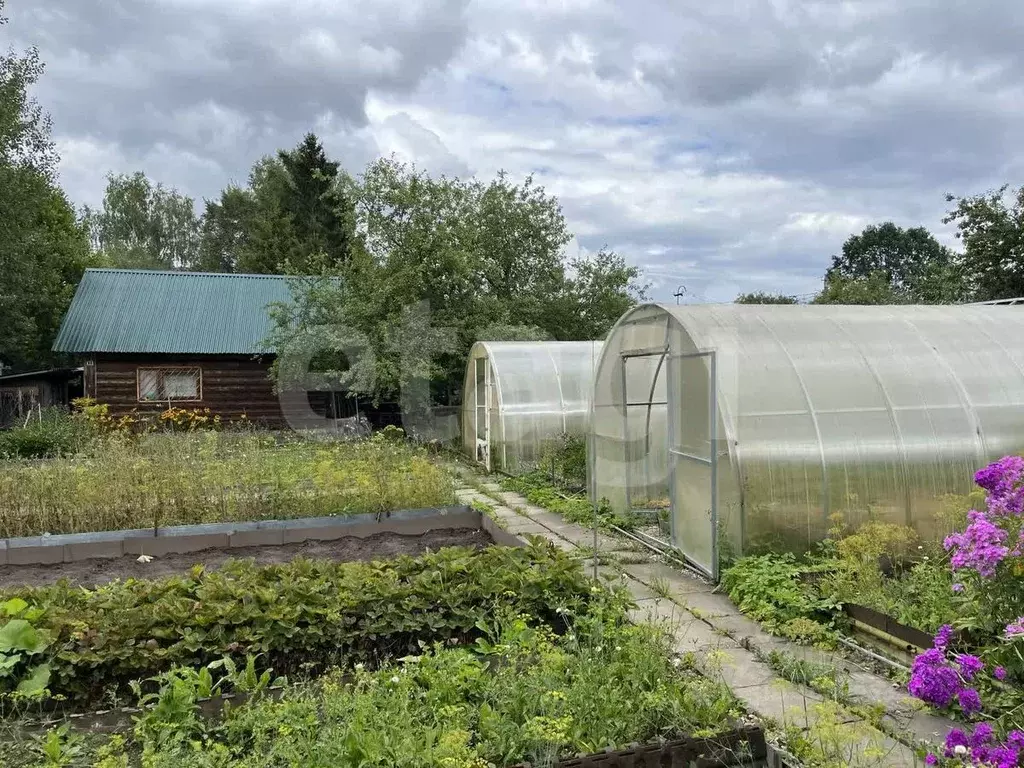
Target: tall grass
174,479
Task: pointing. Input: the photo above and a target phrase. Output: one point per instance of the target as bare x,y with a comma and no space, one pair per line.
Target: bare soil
380,546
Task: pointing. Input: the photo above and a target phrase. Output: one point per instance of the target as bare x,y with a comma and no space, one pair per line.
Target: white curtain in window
181,385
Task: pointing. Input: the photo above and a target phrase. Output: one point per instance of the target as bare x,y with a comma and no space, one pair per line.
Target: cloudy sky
724,149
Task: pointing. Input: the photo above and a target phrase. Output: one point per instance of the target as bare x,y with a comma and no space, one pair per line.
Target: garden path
871,722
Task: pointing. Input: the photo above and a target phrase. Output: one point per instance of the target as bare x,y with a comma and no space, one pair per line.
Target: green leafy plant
521,693
21,647
770,590
537,488
299,613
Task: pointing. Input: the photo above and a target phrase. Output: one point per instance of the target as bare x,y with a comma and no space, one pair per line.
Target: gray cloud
732,146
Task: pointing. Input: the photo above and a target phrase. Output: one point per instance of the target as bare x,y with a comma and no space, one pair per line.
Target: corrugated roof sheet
141,311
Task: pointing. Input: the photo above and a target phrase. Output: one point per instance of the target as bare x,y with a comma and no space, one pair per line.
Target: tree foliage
142,225
874,288
992,232
43,250
440,263
914,266
761,297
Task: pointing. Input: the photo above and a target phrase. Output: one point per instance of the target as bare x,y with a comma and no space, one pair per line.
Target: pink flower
1015,629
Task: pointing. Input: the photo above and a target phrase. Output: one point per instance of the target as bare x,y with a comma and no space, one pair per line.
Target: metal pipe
877,657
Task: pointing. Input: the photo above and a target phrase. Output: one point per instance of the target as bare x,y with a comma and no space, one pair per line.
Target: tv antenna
680,292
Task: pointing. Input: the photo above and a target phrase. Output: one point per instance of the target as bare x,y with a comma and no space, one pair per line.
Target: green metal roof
142,311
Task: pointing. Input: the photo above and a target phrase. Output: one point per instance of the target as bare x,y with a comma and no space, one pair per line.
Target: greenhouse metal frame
522,397
761,427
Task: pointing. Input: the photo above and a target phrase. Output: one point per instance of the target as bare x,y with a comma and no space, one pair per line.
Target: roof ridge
189,273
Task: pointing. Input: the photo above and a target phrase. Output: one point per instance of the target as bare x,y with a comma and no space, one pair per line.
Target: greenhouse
520,398
760,426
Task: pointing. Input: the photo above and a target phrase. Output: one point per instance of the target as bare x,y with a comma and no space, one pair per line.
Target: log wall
232,386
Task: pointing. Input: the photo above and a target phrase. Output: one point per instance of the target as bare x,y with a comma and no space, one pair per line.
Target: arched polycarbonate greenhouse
520,398
759,423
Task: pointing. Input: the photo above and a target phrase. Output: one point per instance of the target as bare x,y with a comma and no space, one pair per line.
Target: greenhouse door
482,411
693,458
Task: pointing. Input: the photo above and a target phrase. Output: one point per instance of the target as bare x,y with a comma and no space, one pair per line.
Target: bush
770,590
53,433
296,613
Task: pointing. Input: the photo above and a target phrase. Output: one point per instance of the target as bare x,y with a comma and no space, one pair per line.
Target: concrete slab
739,668
746,632
679,582
709,604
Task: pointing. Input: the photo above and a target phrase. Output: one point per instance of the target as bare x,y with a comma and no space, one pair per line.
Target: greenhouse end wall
521,399
762,423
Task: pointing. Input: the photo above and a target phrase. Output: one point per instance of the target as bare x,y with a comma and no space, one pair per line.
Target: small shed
22,393
150,340
520,398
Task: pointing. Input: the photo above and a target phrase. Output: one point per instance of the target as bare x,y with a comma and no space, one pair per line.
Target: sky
720,147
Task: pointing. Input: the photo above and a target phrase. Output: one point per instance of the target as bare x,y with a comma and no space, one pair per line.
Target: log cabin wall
231,385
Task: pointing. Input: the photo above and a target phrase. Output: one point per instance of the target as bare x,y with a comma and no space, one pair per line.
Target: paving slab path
873,722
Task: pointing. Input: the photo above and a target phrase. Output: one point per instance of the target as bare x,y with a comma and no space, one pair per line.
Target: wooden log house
151,340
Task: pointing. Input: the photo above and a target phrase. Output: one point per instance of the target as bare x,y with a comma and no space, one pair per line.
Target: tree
226,228
598,293
486,258
993,236
760,297
144,226
320,211
915,265
24,127
43,250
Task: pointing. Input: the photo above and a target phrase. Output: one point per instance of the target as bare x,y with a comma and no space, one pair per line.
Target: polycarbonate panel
538,393
825,413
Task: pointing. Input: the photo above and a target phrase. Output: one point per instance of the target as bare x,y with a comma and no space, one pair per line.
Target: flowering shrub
987,558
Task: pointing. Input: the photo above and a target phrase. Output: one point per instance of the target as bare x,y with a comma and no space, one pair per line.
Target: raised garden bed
96,558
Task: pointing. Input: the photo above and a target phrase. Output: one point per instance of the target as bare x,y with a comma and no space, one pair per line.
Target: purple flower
943,636
958,587
931,759
932,679
983,734
969,665
999,673
1000,476
981,546
1001,479
1015,628
1015,739
956,738
970,701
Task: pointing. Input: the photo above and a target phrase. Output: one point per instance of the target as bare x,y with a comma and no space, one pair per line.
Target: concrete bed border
183,539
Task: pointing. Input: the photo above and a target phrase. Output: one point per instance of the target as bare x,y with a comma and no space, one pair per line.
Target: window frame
161,371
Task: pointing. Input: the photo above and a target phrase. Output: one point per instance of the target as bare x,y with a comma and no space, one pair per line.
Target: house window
159,385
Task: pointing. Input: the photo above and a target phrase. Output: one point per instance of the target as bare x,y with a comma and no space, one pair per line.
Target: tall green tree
43,250
992,231
315,200
761,297
916,267
142,225
225,231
